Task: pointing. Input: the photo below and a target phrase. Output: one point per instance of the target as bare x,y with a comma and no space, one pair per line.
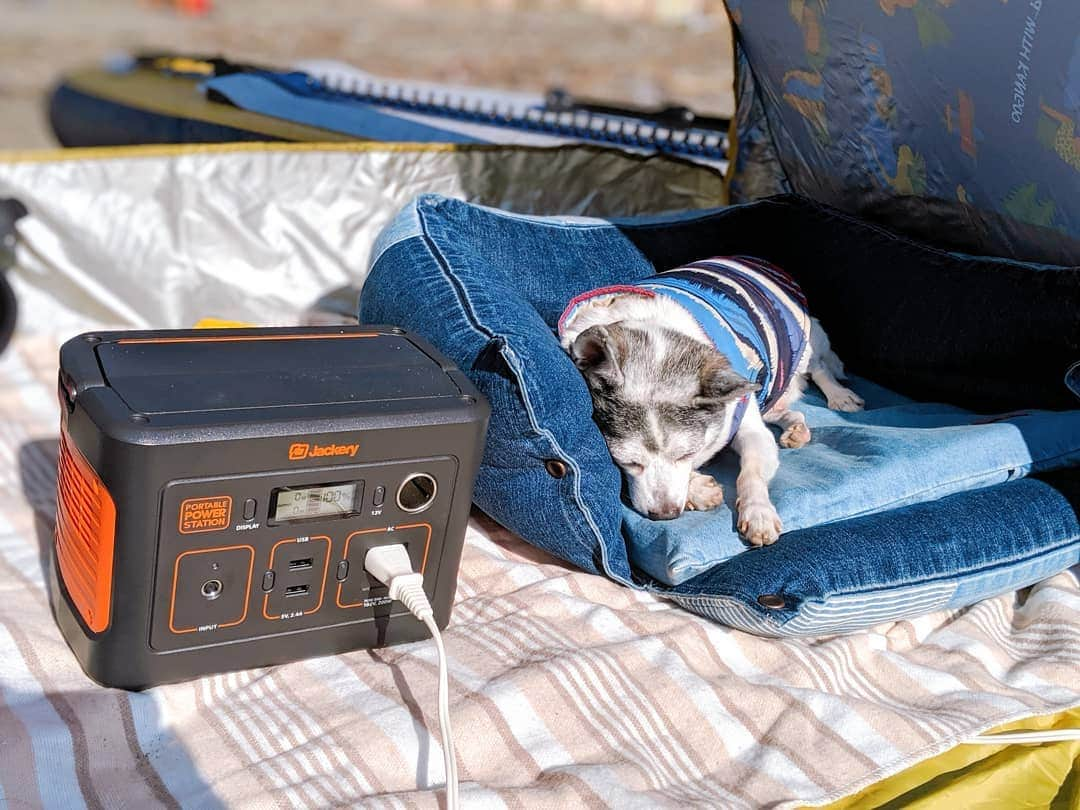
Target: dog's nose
665,513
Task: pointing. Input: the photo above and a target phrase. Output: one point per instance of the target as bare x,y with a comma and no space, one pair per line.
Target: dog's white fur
662,487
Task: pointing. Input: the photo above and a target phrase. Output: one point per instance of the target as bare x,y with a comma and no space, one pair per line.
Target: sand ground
529,45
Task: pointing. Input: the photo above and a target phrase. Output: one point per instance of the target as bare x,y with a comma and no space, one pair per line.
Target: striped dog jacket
752,311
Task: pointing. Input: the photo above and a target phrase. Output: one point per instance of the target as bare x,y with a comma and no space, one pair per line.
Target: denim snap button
555,468
772,601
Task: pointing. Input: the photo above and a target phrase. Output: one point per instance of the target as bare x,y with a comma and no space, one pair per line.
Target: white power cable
449,755
391,566
1025,737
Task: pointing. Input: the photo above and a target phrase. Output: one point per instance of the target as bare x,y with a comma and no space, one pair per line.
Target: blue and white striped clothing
752,311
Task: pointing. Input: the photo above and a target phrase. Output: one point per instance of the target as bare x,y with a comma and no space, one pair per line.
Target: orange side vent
85,532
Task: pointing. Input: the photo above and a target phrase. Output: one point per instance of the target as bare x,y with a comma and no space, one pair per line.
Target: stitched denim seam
705,565
702,565
899,584
973,571
945,484
459,290
514,364
375,257
547,221
776,619
717,600
641,221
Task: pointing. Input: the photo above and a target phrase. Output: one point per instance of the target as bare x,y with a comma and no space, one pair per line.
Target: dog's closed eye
634,468
628,463
629,466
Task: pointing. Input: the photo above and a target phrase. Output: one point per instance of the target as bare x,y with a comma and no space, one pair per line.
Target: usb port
301,565
296,590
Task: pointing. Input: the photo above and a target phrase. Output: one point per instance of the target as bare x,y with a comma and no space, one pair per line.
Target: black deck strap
559,99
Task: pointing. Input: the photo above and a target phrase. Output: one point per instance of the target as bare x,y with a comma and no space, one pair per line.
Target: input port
416,493
211,589
302,564
296,590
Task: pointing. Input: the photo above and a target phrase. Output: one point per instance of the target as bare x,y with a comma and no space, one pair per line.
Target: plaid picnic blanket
566,690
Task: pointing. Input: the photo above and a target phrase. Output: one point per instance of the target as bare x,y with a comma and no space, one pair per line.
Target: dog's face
661,399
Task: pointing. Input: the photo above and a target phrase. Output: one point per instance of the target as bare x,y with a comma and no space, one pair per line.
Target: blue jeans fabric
919,503
895,453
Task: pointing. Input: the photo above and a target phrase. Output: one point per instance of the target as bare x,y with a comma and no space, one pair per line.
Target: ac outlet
359,588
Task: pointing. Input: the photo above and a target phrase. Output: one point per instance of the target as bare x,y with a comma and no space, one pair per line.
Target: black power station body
219,489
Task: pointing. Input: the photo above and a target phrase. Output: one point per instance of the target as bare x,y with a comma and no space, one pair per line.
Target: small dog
688,361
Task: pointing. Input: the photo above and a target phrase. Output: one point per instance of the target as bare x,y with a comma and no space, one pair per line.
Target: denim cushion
487,287
895,453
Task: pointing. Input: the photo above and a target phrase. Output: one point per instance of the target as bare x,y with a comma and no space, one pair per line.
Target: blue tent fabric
956,122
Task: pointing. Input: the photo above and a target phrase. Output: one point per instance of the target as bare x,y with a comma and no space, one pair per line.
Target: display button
342,570
268,581
249,508
379,497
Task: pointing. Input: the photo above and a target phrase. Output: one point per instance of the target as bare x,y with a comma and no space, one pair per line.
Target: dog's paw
844,399
795,436
704,493
759,523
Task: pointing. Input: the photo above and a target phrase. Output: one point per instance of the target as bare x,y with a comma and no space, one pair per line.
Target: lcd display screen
331,500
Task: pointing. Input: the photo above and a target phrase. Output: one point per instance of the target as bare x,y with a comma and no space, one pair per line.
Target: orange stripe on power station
243,338
85,533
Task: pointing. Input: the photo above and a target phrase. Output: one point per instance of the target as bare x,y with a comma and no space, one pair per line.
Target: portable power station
218,491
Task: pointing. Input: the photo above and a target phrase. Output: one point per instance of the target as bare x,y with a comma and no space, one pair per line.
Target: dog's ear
597,353
720,385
